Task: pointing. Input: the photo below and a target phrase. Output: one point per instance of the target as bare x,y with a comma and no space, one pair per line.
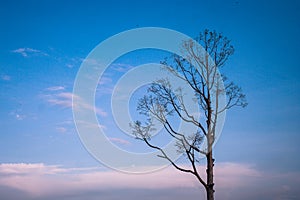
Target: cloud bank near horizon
233,181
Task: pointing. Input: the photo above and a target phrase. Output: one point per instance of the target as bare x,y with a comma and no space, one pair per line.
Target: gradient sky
42,44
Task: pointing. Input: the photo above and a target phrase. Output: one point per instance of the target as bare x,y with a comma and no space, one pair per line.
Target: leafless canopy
199,69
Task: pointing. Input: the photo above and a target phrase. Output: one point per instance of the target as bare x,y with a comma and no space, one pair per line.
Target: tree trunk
210,176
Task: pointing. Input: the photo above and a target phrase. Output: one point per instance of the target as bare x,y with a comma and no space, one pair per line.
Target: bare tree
199,69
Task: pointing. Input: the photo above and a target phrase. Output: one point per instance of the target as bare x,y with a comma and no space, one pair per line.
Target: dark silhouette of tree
199,69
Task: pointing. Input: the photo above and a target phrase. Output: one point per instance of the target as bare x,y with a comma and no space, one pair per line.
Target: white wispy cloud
66,126
65,100
91,61
61,129
91,125
119,141
121,67
25,52
30,169
55,88
105,80
72,62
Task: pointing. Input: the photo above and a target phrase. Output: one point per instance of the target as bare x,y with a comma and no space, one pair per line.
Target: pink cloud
232,179
34,179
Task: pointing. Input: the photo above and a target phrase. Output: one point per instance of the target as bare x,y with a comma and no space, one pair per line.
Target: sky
42,46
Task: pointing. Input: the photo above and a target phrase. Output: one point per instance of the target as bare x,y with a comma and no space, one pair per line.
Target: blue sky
44,42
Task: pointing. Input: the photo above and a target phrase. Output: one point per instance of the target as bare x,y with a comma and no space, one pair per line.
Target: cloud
121,67
65,100
119,141
42,180
55,88
72,62
24,169
61,129
105,80
25,52
91,61
5,78
66,126
233,181
91,125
